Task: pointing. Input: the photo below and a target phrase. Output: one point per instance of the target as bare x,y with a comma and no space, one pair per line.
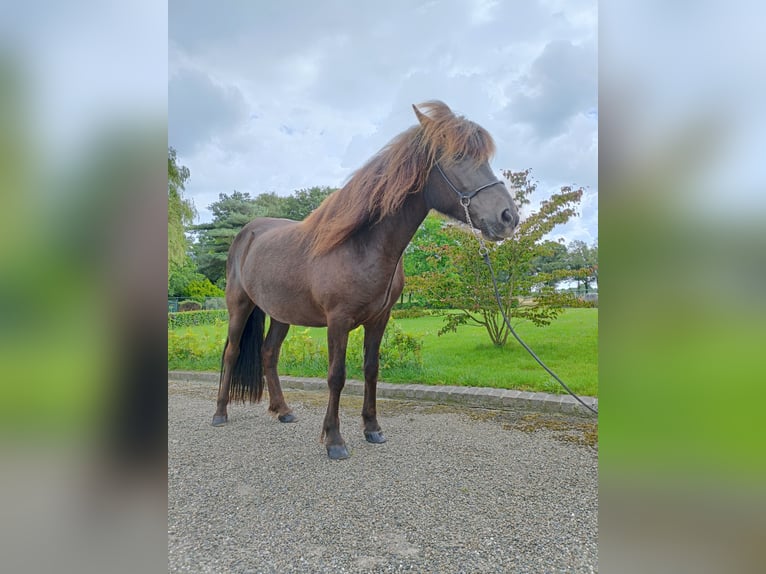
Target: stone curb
482,397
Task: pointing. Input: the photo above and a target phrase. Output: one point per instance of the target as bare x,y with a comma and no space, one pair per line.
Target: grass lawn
569,346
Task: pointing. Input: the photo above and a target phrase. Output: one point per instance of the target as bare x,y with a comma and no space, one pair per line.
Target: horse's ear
422,118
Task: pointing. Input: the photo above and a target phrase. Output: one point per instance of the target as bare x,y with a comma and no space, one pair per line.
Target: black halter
465,196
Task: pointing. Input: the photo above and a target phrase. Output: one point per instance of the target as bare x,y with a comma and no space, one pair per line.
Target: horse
341,267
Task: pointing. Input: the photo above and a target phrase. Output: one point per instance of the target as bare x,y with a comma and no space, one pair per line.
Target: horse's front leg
373,335
337,340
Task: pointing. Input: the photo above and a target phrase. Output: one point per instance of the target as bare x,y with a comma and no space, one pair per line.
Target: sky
82,70
280,96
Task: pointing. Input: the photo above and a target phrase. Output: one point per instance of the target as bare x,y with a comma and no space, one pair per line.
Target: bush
199,289
189,305
589,299
215,303
193,350
410,313
301,354
186,345
191,318
397,350
400,349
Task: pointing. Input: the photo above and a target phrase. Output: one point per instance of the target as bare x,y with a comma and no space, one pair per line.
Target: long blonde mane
380,187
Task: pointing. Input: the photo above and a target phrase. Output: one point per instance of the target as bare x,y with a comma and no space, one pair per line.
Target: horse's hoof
288,418
219,421
337,452
375,437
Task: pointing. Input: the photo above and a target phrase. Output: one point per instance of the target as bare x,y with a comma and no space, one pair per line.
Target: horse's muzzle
502,229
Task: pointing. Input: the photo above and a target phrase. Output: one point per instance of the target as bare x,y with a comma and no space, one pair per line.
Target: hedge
191,318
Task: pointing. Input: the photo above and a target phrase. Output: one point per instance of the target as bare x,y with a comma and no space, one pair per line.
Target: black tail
247,376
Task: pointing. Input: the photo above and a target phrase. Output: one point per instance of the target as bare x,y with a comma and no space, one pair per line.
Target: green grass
569,346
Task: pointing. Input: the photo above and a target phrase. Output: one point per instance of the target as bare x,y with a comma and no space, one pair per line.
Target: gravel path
453,490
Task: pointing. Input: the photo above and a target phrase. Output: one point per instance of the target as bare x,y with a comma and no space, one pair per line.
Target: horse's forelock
451,136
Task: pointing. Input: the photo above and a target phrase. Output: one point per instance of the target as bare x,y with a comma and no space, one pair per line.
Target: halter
465,196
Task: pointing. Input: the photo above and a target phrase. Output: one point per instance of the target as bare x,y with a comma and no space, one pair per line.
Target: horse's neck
394,232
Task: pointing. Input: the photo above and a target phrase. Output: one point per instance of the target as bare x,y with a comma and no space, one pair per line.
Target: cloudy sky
279,96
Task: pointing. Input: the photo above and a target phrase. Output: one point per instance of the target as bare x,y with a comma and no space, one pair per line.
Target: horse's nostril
507,217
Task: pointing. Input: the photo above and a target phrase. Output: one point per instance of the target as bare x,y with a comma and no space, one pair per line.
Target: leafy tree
230,214
555,258
526,290
268,205
421,255
188,283
238,208
180,277
181,213
581,257
302,202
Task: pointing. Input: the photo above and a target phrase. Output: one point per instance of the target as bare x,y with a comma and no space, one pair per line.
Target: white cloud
279,96
560,84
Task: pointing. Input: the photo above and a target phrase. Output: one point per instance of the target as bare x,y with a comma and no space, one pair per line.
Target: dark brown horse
342,266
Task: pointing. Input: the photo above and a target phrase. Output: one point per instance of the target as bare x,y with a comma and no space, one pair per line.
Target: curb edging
482,397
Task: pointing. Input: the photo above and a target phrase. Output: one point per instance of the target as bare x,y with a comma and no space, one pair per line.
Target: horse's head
461,179
462,184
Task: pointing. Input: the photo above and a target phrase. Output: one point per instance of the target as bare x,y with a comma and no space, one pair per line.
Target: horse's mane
380,187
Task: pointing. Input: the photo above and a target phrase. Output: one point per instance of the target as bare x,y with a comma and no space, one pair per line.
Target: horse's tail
247,374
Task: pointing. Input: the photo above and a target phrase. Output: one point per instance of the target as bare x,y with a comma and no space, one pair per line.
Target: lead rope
484,252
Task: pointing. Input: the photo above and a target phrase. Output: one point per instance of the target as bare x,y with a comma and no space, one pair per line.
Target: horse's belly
288,305
293,318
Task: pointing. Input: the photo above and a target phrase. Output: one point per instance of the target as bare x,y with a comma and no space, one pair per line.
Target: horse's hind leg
373,335
240,307
270,352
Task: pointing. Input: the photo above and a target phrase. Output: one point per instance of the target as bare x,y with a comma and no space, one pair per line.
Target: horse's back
251,232
261,225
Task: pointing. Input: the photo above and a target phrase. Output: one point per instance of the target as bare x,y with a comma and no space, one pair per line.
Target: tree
421,255
181,277
230,214
581,257
181,213
594,260
302,202
268,205
527,291
555,258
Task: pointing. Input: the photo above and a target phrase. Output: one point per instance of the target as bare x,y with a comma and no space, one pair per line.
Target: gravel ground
453,490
